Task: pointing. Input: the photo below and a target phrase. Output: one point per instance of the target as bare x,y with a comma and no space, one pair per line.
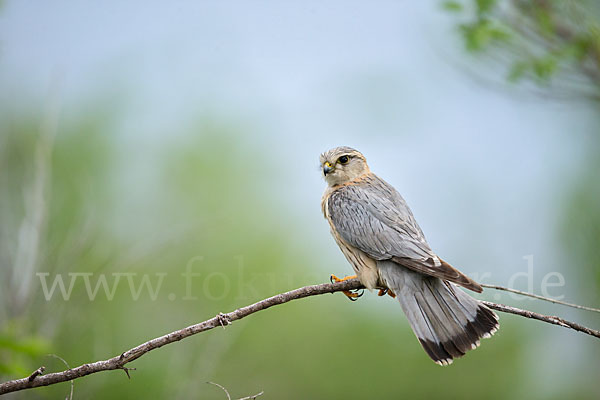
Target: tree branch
537,296
541,317
119,362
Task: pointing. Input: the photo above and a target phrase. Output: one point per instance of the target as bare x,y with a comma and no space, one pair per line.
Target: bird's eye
343,160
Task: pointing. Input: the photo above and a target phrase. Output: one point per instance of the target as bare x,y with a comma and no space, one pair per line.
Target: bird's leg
383,292
351,295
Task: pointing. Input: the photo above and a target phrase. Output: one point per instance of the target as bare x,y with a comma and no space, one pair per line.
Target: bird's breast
364,266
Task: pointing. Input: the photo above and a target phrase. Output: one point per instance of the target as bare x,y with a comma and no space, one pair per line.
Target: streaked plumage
378,234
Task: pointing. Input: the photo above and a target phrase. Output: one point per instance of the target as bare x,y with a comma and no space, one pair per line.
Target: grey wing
375,219
377,223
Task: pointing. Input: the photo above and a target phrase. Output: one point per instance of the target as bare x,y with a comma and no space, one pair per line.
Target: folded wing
374,218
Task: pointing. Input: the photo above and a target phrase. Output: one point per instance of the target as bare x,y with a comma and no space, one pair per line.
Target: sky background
306,77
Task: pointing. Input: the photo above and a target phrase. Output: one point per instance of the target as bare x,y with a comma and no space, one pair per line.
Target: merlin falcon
378,234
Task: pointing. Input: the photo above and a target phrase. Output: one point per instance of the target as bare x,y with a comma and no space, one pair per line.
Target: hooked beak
327,168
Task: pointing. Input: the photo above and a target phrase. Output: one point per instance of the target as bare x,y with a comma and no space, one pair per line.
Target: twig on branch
242,398
128,356
537,296
222,387
35,373
126,370
253,396
68,366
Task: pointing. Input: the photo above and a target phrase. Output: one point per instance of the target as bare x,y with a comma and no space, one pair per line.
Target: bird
379,236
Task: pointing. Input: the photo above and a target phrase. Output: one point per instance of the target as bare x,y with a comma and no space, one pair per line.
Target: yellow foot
334,278
383,292
351,295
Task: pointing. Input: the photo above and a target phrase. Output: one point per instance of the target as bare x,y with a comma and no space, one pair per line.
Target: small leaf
544,68
453,6
480,34
517,71
485,6
499,34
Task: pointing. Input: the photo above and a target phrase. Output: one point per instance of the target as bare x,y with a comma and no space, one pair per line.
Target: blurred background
143,142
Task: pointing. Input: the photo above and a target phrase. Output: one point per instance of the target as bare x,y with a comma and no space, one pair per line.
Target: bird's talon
383,292
352,296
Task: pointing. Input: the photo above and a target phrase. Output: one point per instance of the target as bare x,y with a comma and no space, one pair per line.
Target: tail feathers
447,321
441,269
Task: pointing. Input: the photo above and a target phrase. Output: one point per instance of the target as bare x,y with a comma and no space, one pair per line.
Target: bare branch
119,362
541,317
537,296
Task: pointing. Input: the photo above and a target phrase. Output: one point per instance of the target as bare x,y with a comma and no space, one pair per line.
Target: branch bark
119,362
536,296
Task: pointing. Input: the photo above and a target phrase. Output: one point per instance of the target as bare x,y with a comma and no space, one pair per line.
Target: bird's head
342,164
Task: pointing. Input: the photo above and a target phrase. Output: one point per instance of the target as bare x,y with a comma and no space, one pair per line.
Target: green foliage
518,70
18,352
542,69
541,41
484,6
483,33
452,6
